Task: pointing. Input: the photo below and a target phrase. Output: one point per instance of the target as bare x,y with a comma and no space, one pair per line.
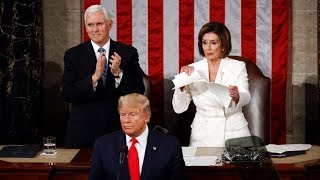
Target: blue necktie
104,75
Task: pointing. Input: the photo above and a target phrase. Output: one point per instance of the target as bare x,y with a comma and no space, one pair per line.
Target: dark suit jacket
163,158
94,113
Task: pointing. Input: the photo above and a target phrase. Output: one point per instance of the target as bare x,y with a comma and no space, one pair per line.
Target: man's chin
95,38
97,41
127,130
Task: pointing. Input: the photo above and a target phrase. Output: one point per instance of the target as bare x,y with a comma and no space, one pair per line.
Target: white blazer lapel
202,68
223,73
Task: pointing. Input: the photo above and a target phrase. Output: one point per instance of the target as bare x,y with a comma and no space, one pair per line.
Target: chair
257,112
147,85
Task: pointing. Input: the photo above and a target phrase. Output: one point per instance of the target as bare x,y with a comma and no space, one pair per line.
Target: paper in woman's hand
183,79
221,91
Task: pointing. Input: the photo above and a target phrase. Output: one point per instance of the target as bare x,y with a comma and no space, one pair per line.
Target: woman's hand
187,69
234,93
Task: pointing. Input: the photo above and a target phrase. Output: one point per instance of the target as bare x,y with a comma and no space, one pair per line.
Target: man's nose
95,27
127,118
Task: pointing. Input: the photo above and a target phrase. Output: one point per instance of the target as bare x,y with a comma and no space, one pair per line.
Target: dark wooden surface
78,169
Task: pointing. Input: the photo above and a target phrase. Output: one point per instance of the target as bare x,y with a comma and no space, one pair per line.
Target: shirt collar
142,139
96,47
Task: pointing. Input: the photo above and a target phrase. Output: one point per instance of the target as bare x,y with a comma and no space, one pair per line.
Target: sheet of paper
189,151
200,160
183,79
273,148
221,91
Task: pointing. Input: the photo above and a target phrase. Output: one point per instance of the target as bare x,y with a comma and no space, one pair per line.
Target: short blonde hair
135,100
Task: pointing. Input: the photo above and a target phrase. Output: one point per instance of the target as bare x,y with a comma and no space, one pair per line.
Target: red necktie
133,161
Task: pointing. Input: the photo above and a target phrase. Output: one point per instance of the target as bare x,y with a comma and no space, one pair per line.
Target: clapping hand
99,68
115,64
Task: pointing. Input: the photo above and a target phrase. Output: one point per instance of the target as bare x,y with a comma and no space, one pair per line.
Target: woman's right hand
187,69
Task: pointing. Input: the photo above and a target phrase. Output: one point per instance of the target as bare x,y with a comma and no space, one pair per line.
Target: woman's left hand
234,93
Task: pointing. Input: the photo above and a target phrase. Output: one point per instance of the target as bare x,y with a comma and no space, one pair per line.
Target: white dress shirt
140,145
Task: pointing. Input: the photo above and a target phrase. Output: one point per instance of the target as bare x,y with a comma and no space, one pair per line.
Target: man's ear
110,22
146,119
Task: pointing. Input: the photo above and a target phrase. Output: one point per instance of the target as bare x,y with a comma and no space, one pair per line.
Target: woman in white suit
215,120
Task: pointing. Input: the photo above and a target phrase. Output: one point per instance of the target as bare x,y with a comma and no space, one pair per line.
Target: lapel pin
154,148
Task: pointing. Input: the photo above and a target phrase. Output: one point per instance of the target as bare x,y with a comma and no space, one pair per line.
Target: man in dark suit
159,155
96,74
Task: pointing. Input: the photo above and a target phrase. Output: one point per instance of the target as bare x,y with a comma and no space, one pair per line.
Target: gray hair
97,8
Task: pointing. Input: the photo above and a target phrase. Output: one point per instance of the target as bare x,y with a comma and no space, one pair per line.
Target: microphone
123,153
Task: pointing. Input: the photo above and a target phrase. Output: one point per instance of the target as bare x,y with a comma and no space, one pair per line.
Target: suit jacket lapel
112,49
151,150
223,75
124,167
91,55
202,68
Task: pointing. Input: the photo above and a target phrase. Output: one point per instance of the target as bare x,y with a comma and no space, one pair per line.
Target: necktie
133,161
104,75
